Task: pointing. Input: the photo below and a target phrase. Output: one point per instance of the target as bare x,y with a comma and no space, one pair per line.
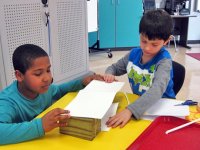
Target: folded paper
89,108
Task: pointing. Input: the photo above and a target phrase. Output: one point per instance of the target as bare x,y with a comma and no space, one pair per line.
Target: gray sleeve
155,92
118,68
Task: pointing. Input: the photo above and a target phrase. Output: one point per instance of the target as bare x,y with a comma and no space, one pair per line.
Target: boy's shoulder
136,49
9,95
164,53
9,90
135,52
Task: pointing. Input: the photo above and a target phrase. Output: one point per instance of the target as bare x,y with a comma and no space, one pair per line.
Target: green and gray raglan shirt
152,80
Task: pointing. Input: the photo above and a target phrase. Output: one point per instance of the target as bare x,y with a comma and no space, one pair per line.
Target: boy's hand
109,78
120,119
88,79
55,118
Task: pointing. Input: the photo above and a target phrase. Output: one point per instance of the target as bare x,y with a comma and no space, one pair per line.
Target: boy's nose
146,48
47,78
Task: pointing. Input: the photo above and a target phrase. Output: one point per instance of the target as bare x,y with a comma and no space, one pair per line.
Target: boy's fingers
67,111
62,117
59,111
62,124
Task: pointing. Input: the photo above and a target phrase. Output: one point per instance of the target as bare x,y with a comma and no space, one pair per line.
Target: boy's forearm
118,68
18,132
144,102
71,86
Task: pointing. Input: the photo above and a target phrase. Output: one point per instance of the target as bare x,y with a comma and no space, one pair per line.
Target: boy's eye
48,70
155,45
144,41
38,74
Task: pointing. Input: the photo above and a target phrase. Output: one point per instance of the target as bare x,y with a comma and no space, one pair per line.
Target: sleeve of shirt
72,86
17,132
62,89
118,68
155,92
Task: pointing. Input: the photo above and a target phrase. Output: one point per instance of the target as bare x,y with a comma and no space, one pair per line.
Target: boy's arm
71,86
60,90
13,128
118,68
155,92
18,132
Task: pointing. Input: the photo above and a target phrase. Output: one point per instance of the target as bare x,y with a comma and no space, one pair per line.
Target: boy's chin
43,90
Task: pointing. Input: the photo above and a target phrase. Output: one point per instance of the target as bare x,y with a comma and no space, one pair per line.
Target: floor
191,87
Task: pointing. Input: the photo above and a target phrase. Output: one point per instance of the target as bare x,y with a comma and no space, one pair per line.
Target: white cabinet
65,39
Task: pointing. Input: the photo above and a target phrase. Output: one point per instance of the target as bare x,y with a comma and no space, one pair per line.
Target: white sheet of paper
91,104
166,107
95,100
100,86
111,112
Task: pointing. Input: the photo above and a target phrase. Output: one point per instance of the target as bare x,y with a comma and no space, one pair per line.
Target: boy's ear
19,76
166,42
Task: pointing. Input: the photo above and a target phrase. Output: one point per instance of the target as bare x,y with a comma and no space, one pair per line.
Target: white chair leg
176,50
169,43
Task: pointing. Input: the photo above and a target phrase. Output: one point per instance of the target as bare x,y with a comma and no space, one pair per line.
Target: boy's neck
26,93
145,59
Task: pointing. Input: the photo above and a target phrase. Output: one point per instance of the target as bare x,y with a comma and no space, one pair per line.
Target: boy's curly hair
24,55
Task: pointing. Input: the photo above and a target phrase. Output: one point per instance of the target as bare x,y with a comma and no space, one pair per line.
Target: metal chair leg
176,50
175,44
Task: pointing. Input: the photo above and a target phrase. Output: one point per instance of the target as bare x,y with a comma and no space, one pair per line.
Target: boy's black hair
24,55
156,24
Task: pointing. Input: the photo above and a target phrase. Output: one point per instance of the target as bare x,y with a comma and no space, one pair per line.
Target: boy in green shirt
31,94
